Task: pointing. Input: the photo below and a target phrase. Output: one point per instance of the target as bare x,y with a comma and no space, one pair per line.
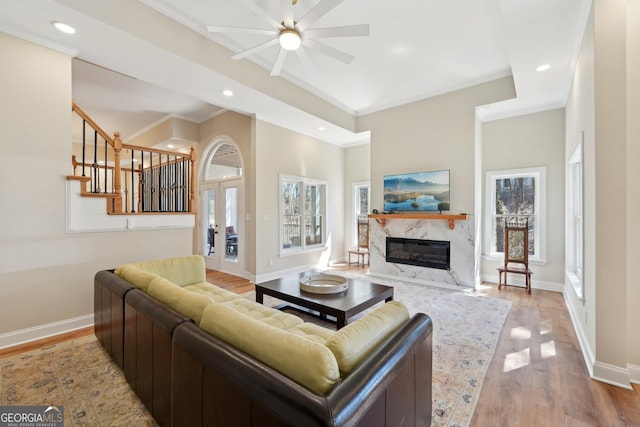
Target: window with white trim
516,194
361,203
575,226
302,214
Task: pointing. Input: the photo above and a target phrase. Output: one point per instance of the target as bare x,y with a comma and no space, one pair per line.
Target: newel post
192,187
117,185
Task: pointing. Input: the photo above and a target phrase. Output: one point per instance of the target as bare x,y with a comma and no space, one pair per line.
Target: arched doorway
221,195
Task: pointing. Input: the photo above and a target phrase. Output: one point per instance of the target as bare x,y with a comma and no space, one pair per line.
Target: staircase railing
133,179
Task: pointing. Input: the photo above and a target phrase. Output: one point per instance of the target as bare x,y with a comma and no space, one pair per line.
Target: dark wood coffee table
359,296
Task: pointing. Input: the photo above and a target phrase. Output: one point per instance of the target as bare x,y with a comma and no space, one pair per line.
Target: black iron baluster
175,184
84,145
152,190
188,186
105,166
133,207
94,166
167,192
126,192
142,182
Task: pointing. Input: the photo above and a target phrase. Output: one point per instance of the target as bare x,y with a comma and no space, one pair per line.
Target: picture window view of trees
302,214
426,191
515,201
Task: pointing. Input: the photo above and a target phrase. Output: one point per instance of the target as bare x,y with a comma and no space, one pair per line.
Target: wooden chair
362,251
516,252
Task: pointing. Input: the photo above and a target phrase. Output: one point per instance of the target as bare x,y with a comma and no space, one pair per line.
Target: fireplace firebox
423,253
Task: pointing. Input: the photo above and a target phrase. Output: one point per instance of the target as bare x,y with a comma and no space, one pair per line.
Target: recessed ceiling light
320,128
65,28
170,145
543,67
227,92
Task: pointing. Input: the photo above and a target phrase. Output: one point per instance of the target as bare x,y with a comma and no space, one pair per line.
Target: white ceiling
416,49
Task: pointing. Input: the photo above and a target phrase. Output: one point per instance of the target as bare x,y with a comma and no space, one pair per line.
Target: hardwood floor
537,376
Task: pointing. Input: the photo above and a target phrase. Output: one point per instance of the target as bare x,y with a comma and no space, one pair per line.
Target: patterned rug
80,376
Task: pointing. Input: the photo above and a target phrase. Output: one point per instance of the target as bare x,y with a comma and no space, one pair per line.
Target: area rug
80,376
466,328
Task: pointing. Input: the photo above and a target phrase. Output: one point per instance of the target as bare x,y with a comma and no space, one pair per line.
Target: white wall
529,141
357,168
433,134
46,276
281,151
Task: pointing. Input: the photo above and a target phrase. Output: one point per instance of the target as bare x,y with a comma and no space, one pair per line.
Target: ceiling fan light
289,39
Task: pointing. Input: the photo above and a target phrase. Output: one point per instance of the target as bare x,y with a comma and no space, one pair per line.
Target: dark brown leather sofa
187,377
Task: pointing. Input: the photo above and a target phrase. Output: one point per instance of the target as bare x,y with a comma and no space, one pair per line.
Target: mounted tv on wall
421,191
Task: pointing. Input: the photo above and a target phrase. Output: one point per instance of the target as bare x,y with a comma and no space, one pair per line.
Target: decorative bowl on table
324,284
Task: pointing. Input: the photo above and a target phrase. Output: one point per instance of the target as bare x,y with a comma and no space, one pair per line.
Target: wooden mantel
451,218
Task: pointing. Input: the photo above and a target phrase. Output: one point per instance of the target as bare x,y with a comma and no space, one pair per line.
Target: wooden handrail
153,150
94,125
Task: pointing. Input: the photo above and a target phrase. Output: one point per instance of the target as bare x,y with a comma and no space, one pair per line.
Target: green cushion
182,271
264,313
184,302
136,276
353,342
216,293
307,362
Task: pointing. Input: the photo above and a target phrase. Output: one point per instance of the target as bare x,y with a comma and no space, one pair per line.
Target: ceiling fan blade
277,66
329,51
287,13
316,13
255,49
258,10
220,29
346,31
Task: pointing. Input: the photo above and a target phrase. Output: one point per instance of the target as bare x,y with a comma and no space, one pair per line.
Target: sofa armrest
402,362
149,326
108,310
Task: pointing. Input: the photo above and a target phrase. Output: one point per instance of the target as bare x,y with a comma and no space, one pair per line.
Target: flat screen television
420,191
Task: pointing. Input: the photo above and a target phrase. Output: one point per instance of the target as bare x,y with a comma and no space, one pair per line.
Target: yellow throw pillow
184,302
353,342
307,362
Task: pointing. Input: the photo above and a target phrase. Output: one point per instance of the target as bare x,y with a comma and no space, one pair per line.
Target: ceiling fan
294,35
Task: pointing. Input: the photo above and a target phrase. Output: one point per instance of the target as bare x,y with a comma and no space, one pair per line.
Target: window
361,203
574,218
302,214
516,194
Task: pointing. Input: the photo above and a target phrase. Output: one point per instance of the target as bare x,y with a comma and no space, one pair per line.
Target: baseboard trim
535,284
587,353
634,373
613,375
24,336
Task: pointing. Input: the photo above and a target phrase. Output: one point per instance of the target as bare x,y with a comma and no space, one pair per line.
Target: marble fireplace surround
461,237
